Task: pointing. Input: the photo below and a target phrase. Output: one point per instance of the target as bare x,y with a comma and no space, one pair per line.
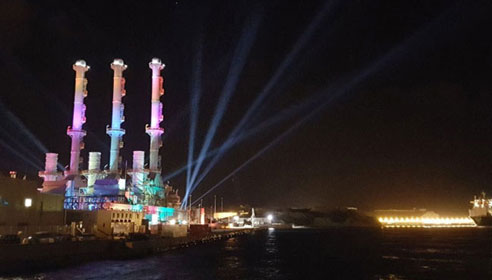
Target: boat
481,211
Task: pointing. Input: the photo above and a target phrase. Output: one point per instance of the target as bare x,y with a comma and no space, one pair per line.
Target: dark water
312,254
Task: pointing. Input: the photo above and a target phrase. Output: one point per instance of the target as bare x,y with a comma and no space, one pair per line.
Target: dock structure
39,257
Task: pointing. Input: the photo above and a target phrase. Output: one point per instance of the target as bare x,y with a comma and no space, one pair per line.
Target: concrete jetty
27,259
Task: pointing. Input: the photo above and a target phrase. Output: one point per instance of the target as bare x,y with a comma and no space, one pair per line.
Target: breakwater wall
29,259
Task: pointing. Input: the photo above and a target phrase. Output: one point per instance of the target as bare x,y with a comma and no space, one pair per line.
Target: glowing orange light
426,221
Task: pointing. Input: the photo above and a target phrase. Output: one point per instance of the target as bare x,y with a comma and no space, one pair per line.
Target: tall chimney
50,174
156,117
50,163
138,167
115,131
75,131
93,168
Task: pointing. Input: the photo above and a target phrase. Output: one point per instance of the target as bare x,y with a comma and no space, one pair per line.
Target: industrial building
24,208
139,192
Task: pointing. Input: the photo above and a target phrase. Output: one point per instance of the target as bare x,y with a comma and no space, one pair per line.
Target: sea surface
461,253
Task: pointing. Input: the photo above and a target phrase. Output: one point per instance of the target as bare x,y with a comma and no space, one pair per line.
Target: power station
139,189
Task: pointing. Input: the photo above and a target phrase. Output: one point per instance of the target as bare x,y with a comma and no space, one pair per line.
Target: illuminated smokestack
156,117
93,168
138,160
138,167
50,163
115,131
50,174
75,131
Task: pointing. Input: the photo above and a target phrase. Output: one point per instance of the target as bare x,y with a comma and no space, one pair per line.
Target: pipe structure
115,131
51,162
75,131
50,173
138,167
94,168
154,130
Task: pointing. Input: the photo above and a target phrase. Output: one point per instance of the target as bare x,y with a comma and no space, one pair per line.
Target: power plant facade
139,189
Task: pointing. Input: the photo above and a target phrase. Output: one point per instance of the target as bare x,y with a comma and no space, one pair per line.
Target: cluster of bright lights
426,222
176,222
225,215
481,203
429,226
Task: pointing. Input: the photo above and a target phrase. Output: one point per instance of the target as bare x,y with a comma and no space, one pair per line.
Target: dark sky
406,118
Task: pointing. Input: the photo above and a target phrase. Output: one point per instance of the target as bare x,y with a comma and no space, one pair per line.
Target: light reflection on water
311,254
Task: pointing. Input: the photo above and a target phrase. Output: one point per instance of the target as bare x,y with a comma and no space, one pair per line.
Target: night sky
398,94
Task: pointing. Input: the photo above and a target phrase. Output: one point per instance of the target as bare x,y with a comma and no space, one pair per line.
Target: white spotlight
27,202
